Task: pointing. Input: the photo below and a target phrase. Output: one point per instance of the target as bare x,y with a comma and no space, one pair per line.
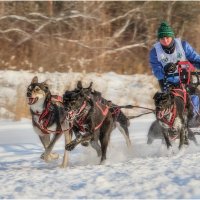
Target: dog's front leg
182,137
166,137
45,140
47,153
78,140
68,138
94,143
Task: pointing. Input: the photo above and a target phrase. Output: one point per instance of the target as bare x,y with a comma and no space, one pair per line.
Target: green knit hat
165,30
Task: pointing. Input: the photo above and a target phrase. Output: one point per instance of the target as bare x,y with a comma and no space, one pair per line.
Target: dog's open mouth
32,100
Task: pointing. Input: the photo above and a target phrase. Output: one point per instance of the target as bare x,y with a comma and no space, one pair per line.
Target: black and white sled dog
173,109
48,118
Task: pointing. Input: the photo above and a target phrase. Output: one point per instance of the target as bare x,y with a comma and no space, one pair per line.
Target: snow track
142,172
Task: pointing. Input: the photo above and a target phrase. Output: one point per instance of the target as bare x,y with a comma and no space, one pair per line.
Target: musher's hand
170,68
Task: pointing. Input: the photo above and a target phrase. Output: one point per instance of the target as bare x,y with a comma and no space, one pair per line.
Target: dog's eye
37,89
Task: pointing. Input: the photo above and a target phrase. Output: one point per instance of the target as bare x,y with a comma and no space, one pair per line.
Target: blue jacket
157,67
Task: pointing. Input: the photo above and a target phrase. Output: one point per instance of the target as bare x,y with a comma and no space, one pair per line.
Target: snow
144,171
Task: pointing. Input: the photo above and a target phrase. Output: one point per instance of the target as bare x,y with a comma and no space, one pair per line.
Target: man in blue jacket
168,51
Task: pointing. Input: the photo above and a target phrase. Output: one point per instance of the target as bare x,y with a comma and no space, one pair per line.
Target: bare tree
89,36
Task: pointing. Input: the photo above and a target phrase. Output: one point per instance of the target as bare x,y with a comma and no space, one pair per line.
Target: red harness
161,115
104,113
80,119
44,117
180,93
172,138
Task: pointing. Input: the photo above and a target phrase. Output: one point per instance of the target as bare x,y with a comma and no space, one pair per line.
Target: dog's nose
28,94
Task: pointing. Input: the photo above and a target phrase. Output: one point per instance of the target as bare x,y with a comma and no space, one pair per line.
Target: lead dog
173,109
48,118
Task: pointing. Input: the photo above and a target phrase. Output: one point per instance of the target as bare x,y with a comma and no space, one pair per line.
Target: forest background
74,38
89,36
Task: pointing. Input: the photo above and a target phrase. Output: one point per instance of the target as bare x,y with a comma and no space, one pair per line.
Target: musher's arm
191,54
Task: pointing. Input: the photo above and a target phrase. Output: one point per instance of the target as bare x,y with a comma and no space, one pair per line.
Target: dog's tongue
31,100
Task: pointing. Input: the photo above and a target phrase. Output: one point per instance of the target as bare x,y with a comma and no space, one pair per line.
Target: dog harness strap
116,112
40,127
45,112
173,138
47,131
98,126
46,115
172,119
171,122
82,107
104,113
180,93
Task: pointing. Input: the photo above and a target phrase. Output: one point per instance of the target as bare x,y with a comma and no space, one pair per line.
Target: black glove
170,68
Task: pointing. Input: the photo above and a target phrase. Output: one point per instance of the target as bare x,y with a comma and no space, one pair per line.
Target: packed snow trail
142,172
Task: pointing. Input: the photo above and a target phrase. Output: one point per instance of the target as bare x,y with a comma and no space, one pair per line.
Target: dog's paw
42,156
70,146
61,166
54,156
86,143
103,162
46,157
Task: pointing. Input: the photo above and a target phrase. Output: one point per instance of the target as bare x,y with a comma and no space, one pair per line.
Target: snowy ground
141,172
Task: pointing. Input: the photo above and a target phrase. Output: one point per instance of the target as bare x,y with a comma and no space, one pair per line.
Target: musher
164,55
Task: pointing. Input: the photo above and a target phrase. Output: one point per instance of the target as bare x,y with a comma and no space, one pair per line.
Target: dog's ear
90,86
35,79
156,95
46,82
79,85
46,85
